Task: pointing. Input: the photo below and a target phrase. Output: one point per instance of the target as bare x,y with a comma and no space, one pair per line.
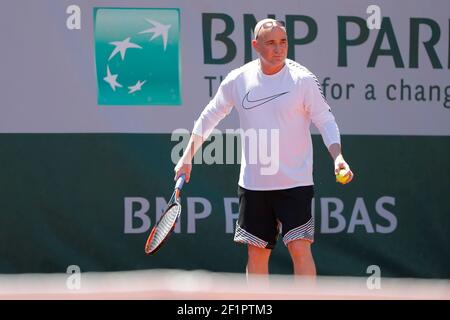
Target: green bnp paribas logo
137,54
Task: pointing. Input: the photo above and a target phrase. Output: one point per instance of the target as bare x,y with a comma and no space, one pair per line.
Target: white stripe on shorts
305,231
246,237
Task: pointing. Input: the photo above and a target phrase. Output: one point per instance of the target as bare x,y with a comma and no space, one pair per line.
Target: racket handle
180,182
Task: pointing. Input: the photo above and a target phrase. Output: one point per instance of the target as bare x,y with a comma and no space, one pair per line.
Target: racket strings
164,226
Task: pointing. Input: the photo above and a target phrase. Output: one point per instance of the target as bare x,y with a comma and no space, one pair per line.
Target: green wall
62,202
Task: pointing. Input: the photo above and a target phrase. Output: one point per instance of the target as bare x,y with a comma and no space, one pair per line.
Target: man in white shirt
276,95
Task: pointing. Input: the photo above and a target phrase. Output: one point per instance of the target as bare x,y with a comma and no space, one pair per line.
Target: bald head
266,25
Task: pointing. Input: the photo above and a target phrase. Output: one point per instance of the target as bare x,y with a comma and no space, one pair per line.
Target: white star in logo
122,46
136,87
158,30
111,79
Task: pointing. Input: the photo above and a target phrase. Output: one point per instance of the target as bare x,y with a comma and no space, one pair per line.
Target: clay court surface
203,285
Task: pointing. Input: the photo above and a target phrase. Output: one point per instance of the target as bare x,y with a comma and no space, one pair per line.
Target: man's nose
277,48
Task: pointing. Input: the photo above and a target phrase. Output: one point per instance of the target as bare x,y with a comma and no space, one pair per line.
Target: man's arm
335,151
325,122
217,109
184,165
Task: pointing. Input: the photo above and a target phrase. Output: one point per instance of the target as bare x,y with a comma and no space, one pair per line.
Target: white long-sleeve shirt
278,109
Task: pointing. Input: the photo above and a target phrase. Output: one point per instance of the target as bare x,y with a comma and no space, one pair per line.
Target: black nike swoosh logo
250,104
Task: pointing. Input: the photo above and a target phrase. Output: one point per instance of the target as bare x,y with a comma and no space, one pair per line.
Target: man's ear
255,45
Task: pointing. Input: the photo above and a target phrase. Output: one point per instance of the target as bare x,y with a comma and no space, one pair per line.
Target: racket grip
180,182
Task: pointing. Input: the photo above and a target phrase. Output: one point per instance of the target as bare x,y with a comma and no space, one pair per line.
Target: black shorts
264,215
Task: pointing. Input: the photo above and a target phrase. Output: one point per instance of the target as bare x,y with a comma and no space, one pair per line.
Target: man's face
272,46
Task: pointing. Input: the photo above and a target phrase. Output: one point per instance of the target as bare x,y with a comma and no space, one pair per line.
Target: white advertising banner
151,66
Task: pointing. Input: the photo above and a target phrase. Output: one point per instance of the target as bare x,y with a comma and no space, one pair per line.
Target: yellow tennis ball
341,178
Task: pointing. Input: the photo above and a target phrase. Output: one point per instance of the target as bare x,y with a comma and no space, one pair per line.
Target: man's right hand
184,166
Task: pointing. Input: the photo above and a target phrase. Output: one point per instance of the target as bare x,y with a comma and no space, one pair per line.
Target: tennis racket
163,229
